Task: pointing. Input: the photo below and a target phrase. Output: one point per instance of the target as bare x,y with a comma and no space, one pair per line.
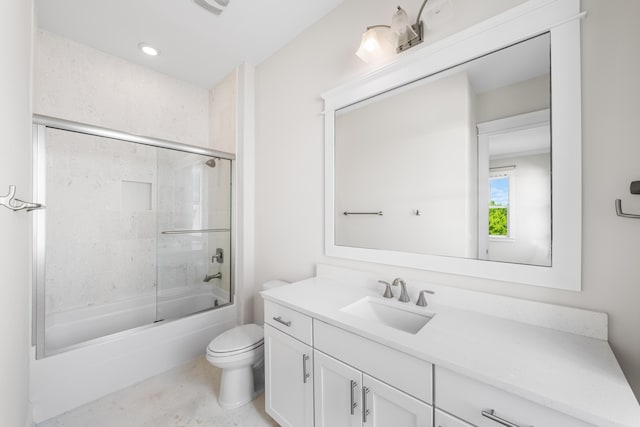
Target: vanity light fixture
380,41
149,50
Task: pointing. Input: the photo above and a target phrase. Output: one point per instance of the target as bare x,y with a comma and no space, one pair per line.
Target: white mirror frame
561,18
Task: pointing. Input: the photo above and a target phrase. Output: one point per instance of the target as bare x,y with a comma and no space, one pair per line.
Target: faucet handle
422,301
387,291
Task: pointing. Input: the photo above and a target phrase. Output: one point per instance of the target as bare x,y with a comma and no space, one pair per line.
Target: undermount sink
389,313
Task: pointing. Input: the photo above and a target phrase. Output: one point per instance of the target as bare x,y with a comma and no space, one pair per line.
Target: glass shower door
98,231
194,237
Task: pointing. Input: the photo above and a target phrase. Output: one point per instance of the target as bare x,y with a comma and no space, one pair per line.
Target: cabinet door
337,392
385,406
288,379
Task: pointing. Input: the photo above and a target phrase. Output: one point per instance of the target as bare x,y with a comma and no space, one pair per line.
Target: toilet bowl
239,352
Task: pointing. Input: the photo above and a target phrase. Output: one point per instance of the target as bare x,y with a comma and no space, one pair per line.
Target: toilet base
236,387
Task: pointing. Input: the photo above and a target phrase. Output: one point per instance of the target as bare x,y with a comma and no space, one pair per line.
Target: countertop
570,373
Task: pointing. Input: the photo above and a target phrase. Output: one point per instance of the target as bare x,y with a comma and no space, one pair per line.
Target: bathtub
75,327
96,368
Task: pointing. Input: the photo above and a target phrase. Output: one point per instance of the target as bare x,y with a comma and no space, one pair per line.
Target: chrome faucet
387,291
208,277
422,301
404,296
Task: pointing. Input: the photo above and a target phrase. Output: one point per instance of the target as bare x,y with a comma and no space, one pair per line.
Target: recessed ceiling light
149,50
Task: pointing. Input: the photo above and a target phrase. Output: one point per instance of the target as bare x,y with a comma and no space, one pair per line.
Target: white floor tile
185,396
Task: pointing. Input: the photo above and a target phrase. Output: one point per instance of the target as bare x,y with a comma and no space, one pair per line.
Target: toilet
239,352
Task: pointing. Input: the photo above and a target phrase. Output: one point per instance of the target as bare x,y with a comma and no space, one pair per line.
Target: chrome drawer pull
284,322
491,414
354,404
365,411
305,374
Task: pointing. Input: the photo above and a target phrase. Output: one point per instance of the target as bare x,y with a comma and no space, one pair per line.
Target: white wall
75,82
289,157
223,105
524,97
404,153
16,18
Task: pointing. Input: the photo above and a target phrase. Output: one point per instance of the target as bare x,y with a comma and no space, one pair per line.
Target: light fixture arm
424,3
378,26
418,29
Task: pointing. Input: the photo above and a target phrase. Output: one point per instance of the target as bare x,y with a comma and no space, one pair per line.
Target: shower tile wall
76,82
98,251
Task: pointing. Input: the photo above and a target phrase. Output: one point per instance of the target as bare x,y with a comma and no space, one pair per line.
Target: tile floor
185,396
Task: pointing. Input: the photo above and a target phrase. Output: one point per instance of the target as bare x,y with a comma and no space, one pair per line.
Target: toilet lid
243,337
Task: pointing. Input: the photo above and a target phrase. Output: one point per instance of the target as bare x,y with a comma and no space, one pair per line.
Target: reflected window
499,206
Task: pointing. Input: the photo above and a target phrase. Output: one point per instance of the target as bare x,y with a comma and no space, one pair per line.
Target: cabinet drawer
445,420
467,398
289,321
400,370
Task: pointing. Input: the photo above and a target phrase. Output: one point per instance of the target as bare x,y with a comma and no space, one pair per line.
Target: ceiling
195,45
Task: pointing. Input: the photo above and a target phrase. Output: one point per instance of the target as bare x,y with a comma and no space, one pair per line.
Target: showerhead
211,163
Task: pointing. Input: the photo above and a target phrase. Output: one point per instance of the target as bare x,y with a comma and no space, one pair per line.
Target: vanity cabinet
288,379
318,374
347,397
485,406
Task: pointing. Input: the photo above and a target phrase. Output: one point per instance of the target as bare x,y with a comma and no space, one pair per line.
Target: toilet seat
238,340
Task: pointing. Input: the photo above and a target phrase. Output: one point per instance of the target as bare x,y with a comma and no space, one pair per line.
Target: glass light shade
401,27
400,21
376,45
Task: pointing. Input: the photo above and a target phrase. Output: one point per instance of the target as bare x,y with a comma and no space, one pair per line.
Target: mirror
443,160
412,175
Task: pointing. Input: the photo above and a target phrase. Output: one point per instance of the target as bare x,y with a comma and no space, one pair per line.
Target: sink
389,313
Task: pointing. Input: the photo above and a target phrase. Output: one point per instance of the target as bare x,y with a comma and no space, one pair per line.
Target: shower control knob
219,256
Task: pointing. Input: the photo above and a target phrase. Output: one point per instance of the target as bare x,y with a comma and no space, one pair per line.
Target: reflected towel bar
634,188
622,214
345,213
204,230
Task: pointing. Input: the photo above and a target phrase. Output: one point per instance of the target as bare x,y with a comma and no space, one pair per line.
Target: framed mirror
464,157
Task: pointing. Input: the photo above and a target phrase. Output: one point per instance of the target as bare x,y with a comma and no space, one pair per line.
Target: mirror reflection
455,164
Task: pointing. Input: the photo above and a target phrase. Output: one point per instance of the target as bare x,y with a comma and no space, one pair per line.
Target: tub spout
208,277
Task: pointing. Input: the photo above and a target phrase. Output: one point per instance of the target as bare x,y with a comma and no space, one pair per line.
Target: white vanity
536,365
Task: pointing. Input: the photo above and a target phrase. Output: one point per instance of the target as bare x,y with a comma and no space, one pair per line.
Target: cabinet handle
365,411
284,322
354,404
491,414
305,374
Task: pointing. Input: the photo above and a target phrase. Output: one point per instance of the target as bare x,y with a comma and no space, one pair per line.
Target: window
499,215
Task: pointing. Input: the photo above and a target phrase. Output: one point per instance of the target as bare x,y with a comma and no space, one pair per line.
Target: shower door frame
40,125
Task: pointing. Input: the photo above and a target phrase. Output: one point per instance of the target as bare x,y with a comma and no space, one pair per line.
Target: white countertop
570,373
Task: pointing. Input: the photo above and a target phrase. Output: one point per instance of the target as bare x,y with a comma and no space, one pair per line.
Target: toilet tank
258,301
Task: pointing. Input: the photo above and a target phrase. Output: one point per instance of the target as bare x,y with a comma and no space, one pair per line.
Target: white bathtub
72,327
99,367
